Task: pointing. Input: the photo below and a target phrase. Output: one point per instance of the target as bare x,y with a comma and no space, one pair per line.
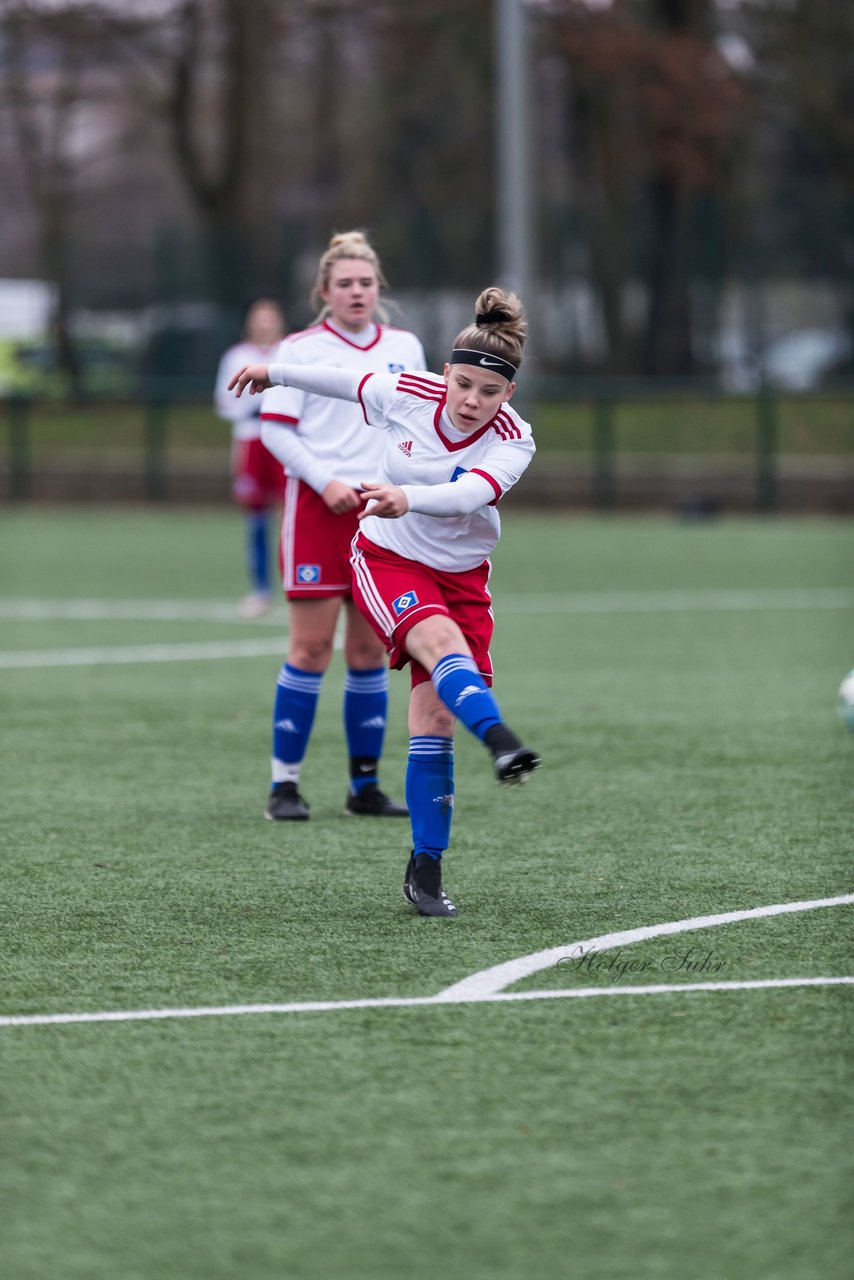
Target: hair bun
499,326
495,315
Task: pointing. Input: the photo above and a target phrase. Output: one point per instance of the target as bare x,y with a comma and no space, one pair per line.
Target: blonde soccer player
326,448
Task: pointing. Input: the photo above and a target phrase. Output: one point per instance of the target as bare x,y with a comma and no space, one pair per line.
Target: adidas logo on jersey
375,722
405,446
286,726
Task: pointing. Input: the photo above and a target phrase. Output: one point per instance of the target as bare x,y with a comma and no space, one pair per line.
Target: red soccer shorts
258,479
394,594
314,551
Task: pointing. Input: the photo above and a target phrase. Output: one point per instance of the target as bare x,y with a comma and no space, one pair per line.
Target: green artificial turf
693,764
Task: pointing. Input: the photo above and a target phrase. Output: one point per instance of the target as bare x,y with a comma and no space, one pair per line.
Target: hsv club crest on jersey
407,601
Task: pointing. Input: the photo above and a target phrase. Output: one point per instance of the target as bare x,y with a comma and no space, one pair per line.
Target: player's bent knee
431,723
365,657
434,638
428,716
311,656
441,725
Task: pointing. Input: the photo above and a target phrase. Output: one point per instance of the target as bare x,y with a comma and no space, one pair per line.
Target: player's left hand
253,376
385,500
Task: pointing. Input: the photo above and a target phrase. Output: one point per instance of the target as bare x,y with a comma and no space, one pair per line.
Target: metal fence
597,468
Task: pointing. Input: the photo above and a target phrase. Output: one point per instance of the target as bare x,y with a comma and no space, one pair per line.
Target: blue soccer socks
365,712
465,693
293,716
430,793
257,558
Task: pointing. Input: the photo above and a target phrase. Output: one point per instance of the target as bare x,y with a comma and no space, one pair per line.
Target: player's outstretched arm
254,376
317,379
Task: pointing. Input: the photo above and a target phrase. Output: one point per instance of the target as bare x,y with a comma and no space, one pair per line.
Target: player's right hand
339,497
253,376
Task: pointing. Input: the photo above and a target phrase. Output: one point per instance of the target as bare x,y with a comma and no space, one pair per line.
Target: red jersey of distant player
258,479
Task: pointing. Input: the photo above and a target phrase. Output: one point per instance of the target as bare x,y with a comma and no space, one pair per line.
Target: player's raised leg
439,645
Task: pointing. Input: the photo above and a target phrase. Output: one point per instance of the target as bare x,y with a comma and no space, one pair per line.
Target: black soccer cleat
286,804
514,766
422,887
513,762
408,883
374,803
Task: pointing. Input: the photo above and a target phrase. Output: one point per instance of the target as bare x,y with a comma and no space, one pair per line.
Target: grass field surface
680,682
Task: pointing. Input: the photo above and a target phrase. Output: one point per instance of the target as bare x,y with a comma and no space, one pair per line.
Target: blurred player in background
326,448
453,448
258,481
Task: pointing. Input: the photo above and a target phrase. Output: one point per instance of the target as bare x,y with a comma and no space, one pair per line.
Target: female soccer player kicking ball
420,557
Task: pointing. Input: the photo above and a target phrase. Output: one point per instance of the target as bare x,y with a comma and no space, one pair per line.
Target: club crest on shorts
404,602
308,573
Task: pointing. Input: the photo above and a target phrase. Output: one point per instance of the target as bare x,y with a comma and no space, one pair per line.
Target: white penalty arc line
469,992
408,1002
490,981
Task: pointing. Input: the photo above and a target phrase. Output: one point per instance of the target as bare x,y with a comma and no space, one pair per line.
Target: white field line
495,979
458,995
134,611
36,610
593,602
408,1002
675,601
133,653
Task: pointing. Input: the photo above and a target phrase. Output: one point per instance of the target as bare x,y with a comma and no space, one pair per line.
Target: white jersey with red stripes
423,447
244,413
334,430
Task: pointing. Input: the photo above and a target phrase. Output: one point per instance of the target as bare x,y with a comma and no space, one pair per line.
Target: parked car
795,361
801,360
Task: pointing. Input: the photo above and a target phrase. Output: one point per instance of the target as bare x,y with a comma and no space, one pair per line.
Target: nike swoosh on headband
466,355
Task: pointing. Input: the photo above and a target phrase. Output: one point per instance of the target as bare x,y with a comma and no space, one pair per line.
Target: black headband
485,360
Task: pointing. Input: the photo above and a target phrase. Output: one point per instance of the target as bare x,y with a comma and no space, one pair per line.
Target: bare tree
656,113
43,56
216,104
